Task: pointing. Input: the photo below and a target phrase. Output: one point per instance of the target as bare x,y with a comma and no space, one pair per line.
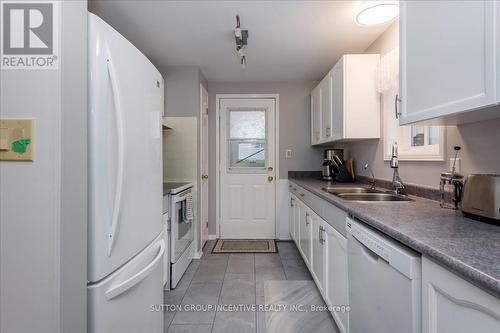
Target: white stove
178,205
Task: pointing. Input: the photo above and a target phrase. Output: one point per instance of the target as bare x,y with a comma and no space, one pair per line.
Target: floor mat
245,246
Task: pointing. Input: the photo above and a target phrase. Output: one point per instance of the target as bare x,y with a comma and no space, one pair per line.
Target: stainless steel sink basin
373,197
348,189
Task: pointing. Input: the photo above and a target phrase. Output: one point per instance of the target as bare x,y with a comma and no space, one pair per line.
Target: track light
241,36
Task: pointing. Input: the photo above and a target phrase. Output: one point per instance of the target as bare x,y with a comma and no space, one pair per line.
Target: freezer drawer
122,302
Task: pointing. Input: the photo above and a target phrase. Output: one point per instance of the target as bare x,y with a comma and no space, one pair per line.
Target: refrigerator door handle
135,279
121,152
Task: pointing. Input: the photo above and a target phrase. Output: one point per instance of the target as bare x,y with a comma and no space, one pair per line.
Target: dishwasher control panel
368,240
398,256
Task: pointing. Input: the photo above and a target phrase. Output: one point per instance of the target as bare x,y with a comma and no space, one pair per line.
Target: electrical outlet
288,153
457,165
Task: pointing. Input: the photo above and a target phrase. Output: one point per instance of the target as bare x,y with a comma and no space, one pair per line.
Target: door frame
200,164
218,98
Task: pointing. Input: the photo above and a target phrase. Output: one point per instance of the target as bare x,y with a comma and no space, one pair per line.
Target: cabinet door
338,101
336,293
300,214
318,249
326,108
316,115
299,208
448,62
451,304
305,236
291,216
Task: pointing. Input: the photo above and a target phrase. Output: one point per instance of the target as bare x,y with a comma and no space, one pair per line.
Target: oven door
181,227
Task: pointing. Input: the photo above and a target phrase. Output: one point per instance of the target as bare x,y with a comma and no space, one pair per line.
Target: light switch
288,154
16,140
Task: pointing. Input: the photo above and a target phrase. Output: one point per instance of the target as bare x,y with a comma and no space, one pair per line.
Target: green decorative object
20,146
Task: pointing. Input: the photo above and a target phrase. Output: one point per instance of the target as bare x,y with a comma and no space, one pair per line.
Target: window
415,142
247,140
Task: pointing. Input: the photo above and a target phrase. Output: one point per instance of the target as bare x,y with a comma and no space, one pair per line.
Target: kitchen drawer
334,216
309,199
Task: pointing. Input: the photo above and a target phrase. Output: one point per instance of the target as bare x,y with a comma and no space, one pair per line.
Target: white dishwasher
384,283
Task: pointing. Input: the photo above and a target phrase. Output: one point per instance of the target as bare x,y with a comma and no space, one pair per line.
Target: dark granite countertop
467,247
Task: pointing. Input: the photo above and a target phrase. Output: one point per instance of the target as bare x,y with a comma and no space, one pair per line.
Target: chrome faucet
372,181
398,187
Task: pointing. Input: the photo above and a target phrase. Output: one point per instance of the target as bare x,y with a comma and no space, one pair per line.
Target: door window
247,142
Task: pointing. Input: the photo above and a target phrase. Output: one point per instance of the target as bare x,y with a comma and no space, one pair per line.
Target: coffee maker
329,168
333,168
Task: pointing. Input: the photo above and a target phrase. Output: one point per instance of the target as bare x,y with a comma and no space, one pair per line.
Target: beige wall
480,141
294,128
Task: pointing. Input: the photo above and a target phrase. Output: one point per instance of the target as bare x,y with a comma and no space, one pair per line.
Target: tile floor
248,279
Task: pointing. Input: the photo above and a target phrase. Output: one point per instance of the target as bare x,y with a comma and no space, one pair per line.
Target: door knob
270,178
270,169
204,177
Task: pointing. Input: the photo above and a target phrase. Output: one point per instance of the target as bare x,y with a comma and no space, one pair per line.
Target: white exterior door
204,164
247,168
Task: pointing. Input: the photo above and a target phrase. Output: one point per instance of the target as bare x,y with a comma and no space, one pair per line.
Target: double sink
353,193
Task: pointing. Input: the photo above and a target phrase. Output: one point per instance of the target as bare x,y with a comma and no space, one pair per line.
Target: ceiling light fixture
241,37
377,12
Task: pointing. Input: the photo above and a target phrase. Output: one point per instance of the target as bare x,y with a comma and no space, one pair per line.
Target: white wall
294,132
43,203
479,141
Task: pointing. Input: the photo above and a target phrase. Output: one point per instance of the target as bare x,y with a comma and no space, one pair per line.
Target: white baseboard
212,237
198,255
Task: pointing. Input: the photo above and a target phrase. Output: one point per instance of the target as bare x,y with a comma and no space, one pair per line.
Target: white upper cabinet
349,105
449,60
337,75
316,115
326,107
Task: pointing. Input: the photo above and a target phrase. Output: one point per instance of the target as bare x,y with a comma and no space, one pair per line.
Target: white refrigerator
125,243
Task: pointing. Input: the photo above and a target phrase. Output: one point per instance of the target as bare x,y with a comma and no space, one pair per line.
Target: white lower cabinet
453,305
324,251
318,254
305,234
336,285
291,216
449,303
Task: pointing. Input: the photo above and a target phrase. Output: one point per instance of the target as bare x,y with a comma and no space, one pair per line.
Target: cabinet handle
291,202
307,221
321,239
396,101
319,235
328,132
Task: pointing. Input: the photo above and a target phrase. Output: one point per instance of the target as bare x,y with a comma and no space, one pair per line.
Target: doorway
247,134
